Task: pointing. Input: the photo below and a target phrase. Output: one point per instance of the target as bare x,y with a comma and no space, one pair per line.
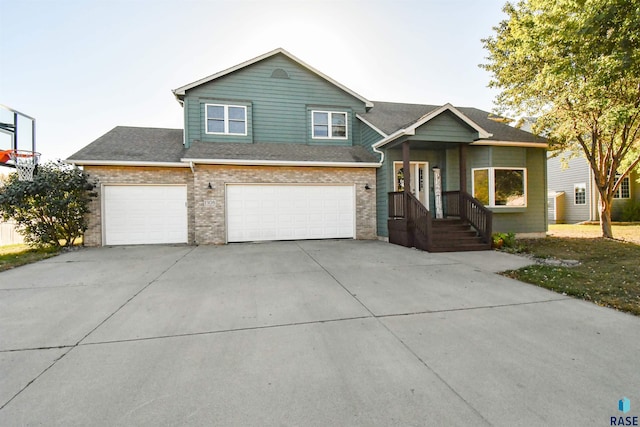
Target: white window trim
618,194
330,130
226,119
492,186
582,185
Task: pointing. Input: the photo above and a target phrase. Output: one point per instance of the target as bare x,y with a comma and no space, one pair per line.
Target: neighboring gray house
273,149
573,196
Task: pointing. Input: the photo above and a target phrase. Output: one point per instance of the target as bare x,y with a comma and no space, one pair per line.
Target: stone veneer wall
206,207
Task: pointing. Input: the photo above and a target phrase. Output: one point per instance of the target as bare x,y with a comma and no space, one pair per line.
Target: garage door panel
289,212
139,214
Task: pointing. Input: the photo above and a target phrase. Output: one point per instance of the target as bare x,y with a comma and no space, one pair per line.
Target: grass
12,256
609,270
629,232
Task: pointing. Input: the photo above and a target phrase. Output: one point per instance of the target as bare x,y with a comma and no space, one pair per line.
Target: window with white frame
580,194
329,124
500,187
624,190
226,119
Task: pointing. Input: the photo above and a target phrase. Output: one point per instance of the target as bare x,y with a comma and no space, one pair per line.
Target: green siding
509,157
533,218
445,128
279,108
452,170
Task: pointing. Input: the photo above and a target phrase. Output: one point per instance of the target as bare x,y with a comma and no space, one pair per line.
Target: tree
51,208
576,65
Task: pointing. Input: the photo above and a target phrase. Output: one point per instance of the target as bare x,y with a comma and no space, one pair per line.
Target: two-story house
273,149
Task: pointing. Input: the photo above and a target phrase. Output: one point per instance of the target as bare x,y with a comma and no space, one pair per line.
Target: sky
82,67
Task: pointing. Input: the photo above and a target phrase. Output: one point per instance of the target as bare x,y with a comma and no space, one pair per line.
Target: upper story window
329,124
580,194
624,190
497,187
226,119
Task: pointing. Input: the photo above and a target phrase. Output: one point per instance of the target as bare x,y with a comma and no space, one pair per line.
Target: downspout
192,166
379,152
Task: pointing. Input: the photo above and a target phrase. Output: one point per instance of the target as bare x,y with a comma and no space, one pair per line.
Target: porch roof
397,119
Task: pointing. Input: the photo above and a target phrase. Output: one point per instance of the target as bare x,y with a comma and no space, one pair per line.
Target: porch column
463,167
406,166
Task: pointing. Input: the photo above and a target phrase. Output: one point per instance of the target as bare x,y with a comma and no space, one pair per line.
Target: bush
51,208
630,211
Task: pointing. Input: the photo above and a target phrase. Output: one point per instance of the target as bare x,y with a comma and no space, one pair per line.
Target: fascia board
511,144
368,123
448,107
243,162
127,163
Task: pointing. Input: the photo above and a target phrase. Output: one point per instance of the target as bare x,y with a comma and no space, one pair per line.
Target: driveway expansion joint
480,307
71,347
224,331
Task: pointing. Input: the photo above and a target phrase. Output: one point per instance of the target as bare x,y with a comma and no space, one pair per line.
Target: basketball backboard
17,132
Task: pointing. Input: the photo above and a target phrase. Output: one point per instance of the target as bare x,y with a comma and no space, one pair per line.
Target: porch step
452,235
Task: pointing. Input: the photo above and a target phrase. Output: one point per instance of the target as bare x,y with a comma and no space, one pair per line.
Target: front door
419,178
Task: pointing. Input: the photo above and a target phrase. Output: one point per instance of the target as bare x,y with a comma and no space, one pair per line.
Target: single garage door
289,212
144,214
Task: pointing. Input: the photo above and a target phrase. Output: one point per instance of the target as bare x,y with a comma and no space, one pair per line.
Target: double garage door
145,214
289,212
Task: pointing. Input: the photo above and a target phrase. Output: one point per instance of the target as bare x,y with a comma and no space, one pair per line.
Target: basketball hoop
25,163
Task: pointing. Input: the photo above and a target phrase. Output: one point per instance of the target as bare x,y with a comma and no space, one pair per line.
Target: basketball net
25,163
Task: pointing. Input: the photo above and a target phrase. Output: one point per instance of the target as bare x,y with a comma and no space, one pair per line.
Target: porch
436,218
466,225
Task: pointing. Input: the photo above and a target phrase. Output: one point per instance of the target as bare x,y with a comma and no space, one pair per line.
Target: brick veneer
206,207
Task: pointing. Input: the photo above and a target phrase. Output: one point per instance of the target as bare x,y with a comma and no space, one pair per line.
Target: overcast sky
82,67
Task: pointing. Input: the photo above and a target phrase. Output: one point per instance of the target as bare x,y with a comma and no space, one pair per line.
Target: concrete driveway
304,333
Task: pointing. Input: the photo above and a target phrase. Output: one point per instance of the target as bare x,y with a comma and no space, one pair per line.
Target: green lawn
16,255
609,270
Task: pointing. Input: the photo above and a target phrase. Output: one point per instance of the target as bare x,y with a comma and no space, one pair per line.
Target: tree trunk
605,217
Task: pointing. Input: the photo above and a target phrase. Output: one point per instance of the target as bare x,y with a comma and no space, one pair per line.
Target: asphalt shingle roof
136,144
139,144
390,117
279,152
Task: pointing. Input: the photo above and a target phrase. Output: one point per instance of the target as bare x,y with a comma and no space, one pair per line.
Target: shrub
631,211
51,208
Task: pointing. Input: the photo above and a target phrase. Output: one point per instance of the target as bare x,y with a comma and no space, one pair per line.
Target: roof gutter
512,144
127,163
243,162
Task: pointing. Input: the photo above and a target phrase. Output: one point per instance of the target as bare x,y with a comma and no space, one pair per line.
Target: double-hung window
500,186
624,190
226,119
580,194
329,124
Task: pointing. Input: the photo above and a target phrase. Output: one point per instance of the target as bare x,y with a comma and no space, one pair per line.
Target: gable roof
136,146
180,92
397,119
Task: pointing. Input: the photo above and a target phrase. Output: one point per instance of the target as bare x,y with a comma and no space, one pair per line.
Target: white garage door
143,214
289,212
